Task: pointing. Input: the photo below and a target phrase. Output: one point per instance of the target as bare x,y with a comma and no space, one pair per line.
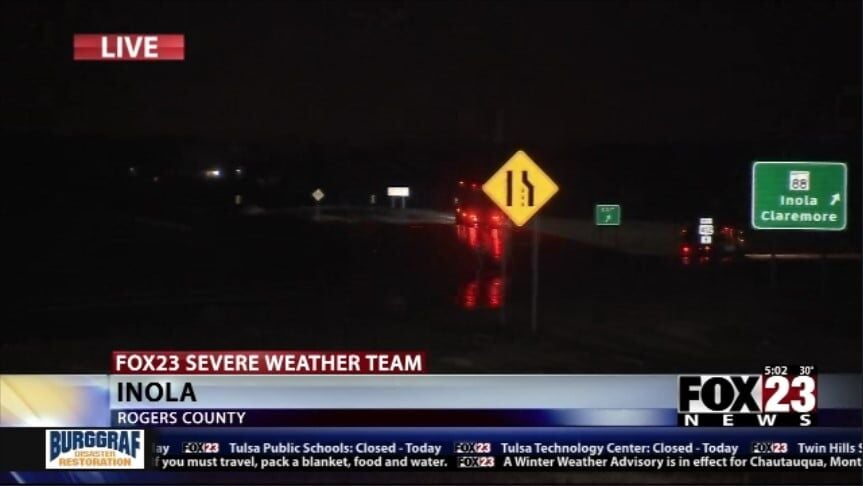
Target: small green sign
607,215
799,196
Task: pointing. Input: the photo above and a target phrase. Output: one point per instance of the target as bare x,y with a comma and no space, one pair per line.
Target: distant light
155,178
213,173
238,199
238,171
398,191
133,171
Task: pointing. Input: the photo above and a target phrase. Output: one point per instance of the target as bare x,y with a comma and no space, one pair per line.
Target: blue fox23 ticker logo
127,442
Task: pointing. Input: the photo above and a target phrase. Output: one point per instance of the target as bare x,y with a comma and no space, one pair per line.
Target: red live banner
275,362
129,47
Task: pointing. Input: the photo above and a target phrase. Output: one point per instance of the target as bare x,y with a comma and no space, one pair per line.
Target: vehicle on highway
482,240
474,208
484,291
727,243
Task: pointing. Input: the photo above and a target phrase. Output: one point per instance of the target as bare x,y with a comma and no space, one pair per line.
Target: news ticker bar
632,400
432,391
454,448
466,418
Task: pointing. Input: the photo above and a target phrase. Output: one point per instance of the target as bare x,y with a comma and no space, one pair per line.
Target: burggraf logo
94,449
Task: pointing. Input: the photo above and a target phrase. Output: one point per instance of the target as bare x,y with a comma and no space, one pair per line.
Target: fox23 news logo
94,449
781,396
769,447
200,447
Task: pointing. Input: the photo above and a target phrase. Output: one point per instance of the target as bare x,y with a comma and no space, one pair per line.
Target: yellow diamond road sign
520,188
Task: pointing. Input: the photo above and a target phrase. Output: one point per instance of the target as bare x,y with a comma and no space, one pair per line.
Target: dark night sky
438,72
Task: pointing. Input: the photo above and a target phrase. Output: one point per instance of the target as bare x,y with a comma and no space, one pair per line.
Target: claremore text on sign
129,47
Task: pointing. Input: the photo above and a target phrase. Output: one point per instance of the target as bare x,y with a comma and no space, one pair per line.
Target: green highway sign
799,196
607,215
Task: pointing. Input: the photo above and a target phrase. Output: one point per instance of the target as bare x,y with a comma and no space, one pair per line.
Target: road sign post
534,298
504,263
398,192
706,230
318,195
520,188
607,215
809,196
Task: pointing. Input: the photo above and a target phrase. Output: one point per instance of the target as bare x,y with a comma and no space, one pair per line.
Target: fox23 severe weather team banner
176,413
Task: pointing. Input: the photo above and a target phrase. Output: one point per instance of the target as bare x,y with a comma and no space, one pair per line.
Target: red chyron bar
267,362
129,47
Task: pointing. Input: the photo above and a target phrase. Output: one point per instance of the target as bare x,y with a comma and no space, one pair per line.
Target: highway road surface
294,279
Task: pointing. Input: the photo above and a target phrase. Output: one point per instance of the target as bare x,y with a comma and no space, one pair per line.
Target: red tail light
495,293
470,295
686,249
